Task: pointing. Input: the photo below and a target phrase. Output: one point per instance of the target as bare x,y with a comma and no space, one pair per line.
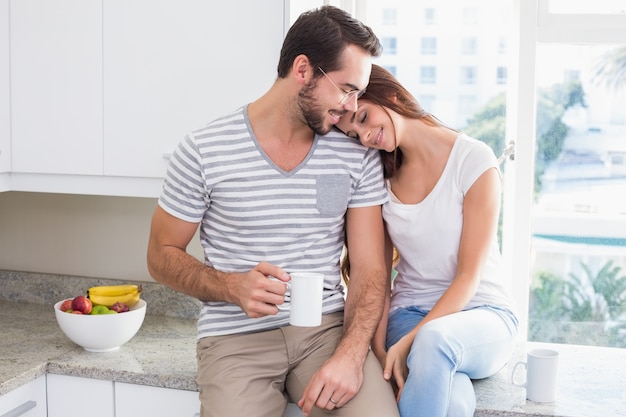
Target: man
274,192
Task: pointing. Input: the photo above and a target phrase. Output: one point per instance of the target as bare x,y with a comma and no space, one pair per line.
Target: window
389,45
502,41
501,75
567,84
427,101
392,69
468,75
429,46
469,15
469,45
428,75
389,17
429,16
586,7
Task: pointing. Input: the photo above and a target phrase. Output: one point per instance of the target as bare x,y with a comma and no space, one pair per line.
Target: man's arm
341,376
170,264
380,336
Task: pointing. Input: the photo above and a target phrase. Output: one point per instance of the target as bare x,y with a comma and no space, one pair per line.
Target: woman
450,317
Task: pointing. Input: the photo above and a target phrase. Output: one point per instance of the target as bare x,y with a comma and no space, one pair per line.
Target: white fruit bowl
101,333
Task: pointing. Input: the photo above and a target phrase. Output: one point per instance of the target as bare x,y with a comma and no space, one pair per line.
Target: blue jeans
447,353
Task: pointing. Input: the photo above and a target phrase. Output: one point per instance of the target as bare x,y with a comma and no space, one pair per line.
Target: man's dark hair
322,35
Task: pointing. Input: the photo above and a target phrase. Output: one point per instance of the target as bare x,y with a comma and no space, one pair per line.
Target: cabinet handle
21,409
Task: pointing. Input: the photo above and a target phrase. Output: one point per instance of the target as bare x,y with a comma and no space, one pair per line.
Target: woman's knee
433,337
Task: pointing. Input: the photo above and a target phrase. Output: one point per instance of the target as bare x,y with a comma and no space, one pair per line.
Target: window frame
534,24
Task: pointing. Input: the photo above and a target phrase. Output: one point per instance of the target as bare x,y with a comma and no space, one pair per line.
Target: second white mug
541,375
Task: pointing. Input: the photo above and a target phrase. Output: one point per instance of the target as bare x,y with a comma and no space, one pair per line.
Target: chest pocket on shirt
333,194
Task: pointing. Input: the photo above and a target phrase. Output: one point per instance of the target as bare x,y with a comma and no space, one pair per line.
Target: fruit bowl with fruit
105,319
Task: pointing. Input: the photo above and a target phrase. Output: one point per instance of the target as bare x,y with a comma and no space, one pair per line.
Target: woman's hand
395,364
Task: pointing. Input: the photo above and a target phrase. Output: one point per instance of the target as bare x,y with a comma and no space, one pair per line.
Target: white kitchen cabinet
141,400
56,86
133,400
5,113
29,400
173,66
67,394
102,91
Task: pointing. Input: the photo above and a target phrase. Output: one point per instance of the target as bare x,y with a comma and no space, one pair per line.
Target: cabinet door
141,400
56,86
69,396
5,113
172,66
29,400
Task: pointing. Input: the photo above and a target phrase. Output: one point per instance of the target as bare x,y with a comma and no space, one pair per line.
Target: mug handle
513,374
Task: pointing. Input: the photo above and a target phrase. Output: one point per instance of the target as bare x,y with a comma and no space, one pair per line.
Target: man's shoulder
226,121
339,141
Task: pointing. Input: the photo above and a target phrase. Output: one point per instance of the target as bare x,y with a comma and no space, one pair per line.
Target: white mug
541,375
306,298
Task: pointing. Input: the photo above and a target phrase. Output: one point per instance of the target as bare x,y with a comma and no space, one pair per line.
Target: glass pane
451,56
586,6
578,288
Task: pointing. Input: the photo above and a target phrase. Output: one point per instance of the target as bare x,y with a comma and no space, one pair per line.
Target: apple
66,305
82,304
120,307
99,310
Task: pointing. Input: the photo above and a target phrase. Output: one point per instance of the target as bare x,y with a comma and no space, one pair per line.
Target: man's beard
311,111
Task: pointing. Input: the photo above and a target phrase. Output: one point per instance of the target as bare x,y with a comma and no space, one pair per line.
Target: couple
280,184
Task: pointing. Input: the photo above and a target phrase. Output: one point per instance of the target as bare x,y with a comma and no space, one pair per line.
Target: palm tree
587,309
598,297
610,69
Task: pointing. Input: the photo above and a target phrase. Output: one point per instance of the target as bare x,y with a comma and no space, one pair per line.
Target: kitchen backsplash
41,288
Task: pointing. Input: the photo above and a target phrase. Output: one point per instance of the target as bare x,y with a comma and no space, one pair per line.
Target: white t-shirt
427,235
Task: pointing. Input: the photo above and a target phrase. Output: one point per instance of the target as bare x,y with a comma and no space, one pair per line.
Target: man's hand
333,385
260,290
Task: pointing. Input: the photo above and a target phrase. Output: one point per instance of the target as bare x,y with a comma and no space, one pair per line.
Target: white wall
78,235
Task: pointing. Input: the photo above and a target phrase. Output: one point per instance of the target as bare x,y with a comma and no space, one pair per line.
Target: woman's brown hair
386,91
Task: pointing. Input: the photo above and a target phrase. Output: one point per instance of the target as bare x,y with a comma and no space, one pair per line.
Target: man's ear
301,69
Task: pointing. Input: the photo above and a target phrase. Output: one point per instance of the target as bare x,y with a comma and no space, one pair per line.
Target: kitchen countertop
592,380
161,354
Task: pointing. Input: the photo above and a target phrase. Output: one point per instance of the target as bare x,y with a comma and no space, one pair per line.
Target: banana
107,295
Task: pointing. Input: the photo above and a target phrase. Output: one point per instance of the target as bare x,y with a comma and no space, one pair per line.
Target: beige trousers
256,374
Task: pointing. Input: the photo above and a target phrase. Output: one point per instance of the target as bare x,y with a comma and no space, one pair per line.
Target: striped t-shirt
250,210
